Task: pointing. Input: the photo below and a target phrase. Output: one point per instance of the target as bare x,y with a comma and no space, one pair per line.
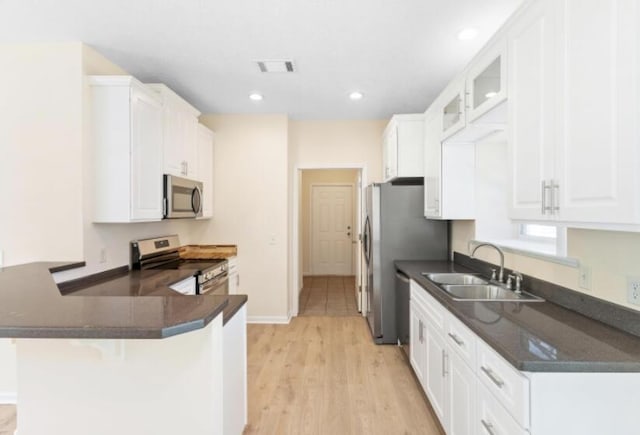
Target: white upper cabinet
126,135
487,82
180,125
472,105
205,169
453,108
402,148
449,171
573,109
532,66
598,157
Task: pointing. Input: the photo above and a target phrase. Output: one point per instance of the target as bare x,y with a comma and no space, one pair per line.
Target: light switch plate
584,277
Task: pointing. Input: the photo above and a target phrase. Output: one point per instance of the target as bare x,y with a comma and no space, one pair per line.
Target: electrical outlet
633,290
584,277
103,255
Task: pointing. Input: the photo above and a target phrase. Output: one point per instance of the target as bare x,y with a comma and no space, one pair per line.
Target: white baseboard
269,319
8,397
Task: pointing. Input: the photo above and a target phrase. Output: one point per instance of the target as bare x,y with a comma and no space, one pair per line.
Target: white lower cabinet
461,403
492,418
506,383
416,339
234,365
186,286
436,382
234,275
474,390
471,388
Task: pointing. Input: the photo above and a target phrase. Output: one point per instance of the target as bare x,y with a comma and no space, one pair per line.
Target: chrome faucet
518,285
501,273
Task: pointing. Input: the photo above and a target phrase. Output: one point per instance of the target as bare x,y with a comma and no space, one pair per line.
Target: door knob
349,227
349,234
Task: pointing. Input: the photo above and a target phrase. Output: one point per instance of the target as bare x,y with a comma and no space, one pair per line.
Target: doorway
329,215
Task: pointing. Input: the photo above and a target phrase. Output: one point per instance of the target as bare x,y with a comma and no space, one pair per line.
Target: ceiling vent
276,66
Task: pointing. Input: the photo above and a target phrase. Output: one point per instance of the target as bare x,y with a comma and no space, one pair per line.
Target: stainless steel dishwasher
402,310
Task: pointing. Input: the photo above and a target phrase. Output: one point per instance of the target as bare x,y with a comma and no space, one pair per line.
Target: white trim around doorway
295,277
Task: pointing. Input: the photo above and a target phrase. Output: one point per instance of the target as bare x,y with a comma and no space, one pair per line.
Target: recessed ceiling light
255,97
467,34
356,96
490,94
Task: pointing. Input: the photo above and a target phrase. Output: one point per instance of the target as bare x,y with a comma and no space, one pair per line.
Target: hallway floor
328,296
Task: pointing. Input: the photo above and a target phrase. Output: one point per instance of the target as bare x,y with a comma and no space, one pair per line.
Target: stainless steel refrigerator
395,229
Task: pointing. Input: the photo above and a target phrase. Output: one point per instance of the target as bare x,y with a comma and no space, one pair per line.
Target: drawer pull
457,339
488,427
494,378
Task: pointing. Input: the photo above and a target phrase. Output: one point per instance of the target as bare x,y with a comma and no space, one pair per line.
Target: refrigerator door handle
366,243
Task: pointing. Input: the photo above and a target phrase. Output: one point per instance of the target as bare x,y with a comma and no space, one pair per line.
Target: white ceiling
399,53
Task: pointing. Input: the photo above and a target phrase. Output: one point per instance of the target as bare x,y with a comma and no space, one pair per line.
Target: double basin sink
469,287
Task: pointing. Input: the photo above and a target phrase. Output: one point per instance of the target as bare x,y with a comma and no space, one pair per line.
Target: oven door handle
213,284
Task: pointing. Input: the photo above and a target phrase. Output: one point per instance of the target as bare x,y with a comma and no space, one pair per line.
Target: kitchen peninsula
154,359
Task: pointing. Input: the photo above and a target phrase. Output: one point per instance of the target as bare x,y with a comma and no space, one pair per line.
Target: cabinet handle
457,339
546,208
542,191
555,197
488,427
494,378
444,363
420,332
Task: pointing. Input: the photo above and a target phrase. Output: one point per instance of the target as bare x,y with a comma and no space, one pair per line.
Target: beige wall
41,149
611,256
339,144
251,190
320,176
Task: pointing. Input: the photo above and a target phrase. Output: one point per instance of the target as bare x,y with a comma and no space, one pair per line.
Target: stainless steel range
163,253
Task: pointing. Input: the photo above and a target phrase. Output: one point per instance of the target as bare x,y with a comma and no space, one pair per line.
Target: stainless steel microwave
182,198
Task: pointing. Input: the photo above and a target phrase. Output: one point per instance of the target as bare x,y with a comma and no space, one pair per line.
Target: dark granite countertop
539,336
32,306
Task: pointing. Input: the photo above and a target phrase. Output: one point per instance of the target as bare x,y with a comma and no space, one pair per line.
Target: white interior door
332,230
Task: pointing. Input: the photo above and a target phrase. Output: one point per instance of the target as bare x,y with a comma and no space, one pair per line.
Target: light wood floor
324,375
7,419
328,296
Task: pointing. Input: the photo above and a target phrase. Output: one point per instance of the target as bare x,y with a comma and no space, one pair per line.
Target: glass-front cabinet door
486,82
453,114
